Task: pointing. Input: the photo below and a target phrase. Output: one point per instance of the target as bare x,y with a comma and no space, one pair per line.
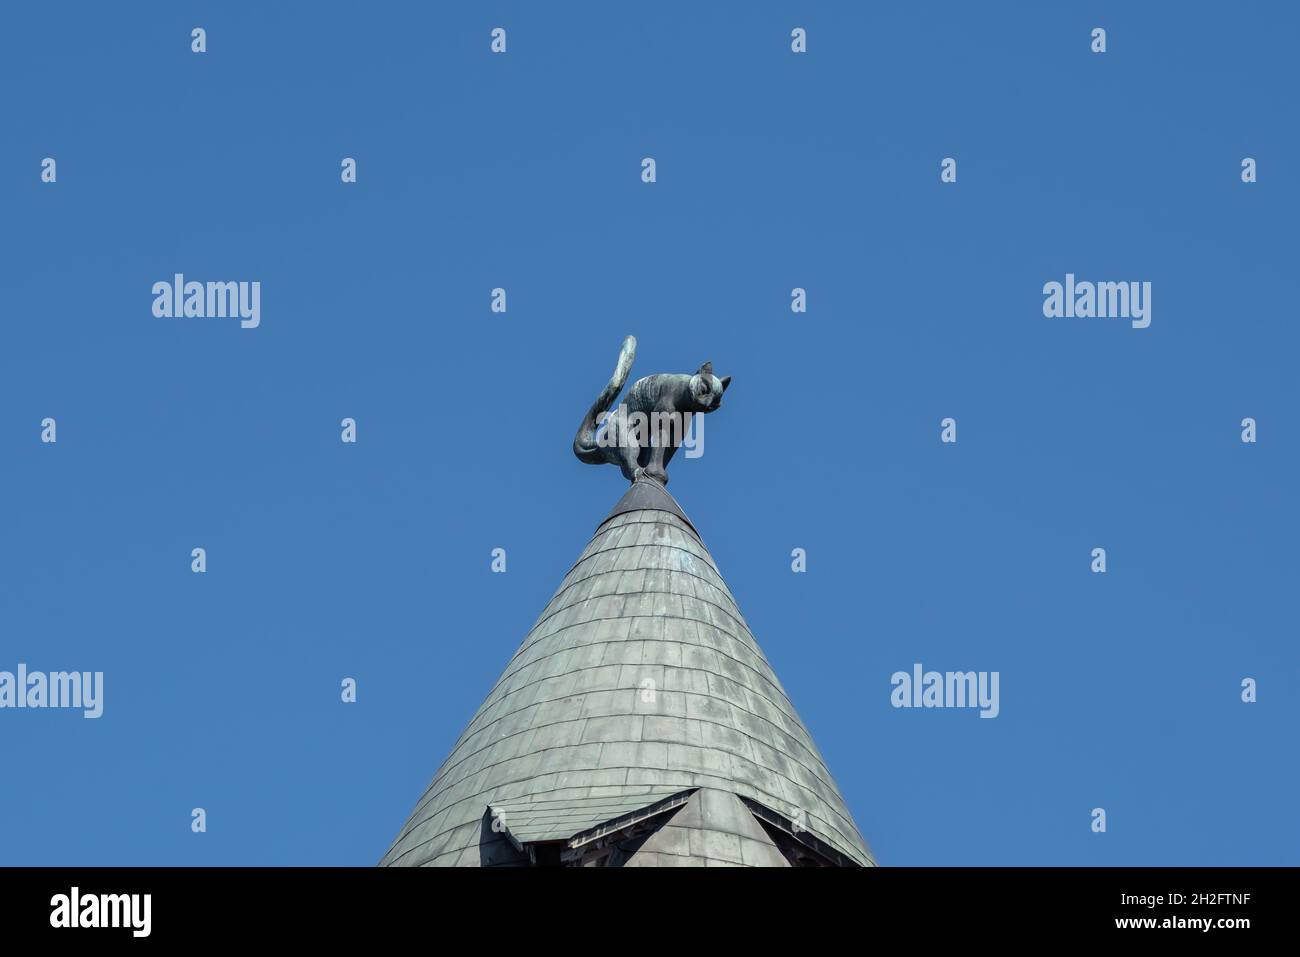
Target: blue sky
774,171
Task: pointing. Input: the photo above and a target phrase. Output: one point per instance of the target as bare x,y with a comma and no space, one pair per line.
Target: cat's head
707,389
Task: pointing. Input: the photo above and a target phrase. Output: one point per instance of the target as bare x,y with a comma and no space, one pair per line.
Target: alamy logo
212,300
683,430
75,909
1102,300
58,689
951,689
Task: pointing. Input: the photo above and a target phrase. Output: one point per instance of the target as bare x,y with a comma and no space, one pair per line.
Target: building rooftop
638,723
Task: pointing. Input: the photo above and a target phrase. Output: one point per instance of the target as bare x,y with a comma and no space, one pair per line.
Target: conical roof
637,723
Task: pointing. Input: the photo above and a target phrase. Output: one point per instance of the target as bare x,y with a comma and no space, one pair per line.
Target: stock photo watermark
946,689
1100,300
126,911
620,428
212,300
76,690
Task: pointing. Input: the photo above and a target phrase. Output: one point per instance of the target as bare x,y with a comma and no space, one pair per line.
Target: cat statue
641,436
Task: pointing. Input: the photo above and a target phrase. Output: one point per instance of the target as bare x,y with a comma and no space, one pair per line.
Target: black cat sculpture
641,436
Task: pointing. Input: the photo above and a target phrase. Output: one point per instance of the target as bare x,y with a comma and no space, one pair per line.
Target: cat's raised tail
584,443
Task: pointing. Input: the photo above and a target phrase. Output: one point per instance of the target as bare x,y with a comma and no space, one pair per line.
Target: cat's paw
658,474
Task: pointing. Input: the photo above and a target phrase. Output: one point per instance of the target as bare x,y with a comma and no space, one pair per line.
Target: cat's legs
668,456
660,452
628,453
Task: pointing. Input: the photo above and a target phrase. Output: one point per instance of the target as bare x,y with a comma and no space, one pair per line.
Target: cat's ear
706,369
726,381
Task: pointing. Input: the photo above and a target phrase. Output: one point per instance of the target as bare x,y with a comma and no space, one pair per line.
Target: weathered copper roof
639,700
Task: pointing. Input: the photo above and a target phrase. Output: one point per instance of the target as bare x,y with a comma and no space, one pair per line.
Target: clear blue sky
522,171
